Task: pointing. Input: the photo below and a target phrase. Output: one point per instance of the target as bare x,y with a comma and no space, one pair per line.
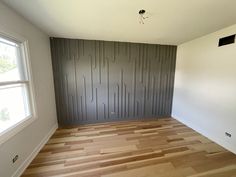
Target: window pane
9,61
14,105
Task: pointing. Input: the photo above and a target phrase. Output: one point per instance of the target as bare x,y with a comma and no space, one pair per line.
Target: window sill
12,131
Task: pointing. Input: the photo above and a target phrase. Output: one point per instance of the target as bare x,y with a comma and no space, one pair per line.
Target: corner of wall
36,150
209,135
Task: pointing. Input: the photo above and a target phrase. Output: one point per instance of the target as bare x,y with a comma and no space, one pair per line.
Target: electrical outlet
228,134
15,159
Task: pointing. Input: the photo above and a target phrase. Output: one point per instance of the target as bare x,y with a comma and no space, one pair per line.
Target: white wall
25,142
205,87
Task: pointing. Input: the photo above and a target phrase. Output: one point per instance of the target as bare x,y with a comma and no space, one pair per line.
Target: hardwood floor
157,148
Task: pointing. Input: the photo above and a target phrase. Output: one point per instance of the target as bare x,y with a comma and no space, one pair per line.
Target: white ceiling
169,22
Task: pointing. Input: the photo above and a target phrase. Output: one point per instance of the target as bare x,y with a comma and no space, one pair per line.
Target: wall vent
226,40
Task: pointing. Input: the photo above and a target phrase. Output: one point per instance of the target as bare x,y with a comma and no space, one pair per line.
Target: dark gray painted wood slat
99,81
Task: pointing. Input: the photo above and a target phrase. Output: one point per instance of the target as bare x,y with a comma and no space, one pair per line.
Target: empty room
117,88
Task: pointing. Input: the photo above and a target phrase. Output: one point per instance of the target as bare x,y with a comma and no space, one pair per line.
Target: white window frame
25,56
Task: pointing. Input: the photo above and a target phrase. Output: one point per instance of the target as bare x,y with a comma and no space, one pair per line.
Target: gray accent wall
100,81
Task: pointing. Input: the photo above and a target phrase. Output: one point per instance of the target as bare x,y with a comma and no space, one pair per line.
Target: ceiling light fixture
142,16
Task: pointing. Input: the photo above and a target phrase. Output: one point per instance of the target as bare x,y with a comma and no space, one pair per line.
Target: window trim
24,47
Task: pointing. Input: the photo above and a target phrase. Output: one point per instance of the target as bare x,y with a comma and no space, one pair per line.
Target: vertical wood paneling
98,81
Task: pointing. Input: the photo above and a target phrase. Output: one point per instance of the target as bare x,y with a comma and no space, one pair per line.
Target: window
16,104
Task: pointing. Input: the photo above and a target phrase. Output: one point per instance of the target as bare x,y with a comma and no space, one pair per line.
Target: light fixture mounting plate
142,11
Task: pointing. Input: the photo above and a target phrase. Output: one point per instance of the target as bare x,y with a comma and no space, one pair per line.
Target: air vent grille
226,40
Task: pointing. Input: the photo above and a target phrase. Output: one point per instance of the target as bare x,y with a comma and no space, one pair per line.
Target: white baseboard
207,134
31,157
